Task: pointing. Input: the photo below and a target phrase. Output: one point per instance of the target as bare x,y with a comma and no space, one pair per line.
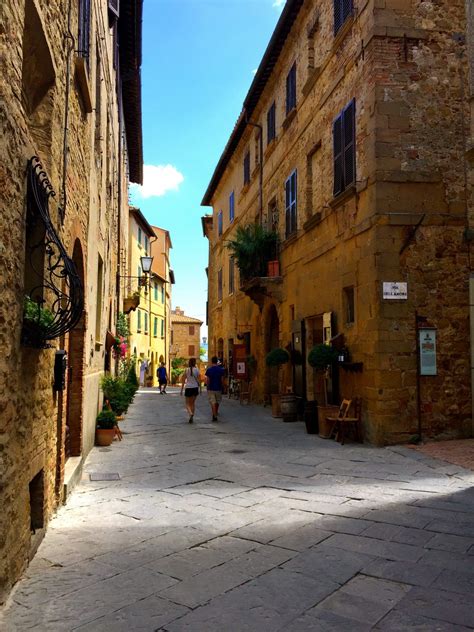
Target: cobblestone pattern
251,524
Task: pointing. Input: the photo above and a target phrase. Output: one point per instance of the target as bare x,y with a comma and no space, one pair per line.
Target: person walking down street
215,376
191,383
162,378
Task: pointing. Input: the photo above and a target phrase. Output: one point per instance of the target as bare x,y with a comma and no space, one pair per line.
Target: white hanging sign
427,342
395,290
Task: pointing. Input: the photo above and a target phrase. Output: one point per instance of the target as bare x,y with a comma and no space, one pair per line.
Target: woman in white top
191,383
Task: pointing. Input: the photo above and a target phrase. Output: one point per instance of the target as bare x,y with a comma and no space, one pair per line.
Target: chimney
178,311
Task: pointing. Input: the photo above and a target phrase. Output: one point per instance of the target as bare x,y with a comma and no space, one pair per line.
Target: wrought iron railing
54,302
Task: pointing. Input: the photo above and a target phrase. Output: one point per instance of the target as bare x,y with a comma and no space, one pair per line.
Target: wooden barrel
289,407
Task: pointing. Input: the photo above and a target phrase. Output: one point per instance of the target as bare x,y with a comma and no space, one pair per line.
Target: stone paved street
251,524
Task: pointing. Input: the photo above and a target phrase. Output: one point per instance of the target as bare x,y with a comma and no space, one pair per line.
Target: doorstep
72,475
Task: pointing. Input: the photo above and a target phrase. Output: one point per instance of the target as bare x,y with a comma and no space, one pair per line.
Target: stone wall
33,418
403,220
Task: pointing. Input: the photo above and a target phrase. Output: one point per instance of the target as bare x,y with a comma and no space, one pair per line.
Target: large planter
289,407
276,409
104,436
311,417
326,427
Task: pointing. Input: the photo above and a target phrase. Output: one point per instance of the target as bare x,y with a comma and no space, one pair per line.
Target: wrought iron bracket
54,303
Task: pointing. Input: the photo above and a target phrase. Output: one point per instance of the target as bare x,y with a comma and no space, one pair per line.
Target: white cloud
157,181
254,71
279,3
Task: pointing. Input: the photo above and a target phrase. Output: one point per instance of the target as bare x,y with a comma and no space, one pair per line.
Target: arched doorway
272,340
75,389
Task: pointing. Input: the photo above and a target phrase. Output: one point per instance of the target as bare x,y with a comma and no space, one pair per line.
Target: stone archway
75,389
272,340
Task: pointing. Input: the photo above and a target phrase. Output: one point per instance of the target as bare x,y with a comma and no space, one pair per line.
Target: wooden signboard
240,368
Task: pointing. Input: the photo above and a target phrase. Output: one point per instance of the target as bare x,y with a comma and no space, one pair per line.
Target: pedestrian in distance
191,383
162,378
215,376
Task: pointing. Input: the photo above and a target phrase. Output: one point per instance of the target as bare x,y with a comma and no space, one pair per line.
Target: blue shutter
338,156
349,144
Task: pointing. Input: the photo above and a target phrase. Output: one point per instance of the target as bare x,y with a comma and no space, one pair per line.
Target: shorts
162,382
215,397
191,392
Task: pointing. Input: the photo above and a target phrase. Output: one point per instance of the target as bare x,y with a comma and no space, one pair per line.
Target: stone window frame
231,275
220,223
348,299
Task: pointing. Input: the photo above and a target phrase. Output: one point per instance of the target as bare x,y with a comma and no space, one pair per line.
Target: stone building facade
70,142
352,145
160,249
185,335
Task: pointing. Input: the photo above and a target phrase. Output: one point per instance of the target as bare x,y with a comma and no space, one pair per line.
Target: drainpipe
259,127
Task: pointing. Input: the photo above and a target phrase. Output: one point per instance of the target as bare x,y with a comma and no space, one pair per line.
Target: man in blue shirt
214,378
162,378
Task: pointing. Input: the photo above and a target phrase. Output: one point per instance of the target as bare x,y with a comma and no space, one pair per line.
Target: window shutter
114,7
349,144
338,156
287,206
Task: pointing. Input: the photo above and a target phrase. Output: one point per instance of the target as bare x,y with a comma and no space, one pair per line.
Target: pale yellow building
164,275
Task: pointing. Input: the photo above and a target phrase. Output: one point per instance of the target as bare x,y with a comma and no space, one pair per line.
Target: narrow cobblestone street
251,524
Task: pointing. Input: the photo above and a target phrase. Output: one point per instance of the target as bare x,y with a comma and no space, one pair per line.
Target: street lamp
146,263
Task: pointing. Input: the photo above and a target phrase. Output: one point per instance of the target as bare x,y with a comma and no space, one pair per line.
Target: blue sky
198,62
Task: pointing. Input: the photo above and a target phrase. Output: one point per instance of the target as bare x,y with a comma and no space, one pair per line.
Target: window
139,272
247,168
219,285
342,10
146,321
291,89
155,290
231,275
84,28
191,330
162,293
139,320
155,327
231,207
146,244
344,149
100,289
162,328
139,235
271,123
290,204
349,309
219,223
191,349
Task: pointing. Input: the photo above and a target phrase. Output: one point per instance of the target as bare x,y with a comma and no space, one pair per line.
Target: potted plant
252,248
118,391
105,427
36,322
276,358
321,358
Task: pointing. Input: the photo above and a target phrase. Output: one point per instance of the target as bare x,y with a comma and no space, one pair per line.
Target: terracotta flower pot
104,436
326,427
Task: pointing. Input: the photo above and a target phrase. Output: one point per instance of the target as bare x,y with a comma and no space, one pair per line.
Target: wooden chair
118,432
351,422
342,414
245,392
